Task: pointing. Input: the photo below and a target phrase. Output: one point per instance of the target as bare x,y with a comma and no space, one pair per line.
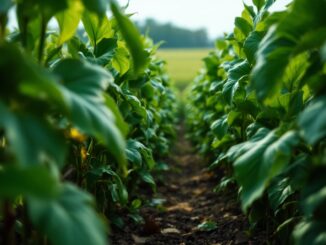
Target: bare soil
189,201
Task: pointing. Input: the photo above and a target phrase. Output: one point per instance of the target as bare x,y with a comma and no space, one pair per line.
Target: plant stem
27,226
9,223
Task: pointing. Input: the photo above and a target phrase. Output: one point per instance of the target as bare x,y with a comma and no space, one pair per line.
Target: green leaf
27,78
293,34
104,52
314,195
97,6
251,44
68,21
266,159
278,192
310,232
120,122
136,106
121,60
313,121
259,3
133,39
118,189
233,88
244,26
148,178
33,181
137,153
272,58
220,127
31,138
133,152
71,213
207,226
84,85
97,28
237,150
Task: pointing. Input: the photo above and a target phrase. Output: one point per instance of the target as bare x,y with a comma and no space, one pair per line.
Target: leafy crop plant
85,112
258,110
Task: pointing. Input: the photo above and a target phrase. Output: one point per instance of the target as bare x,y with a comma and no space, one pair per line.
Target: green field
183,64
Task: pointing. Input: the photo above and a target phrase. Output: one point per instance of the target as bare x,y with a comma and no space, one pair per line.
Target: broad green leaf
133,39
311,39
121,60
313,121
133,152
292,35
138,154
272,59
250,10
27,78
278,154
298,172
97,28
31,139
243,25
233,89
237,150
267,158
220,127
72,214
104,52
251,44
278,192
83,88
148,90
68,20
259,3
136,106
32,181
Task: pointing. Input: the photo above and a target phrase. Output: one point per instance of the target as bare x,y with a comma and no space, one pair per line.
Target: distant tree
174,36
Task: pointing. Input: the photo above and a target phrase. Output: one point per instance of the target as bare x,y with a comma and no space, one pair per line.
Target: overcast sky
216,16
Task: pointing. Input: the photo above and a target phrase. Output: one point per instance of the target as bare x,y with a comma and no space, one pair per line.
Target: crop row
258,109
83,108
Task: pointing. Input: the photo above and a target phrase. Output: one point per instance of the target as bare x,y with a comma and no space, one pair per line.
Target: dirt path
190,201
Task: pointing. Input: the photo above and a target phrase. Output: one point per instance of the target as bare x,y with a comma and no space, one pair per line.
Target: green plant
258,110
80,120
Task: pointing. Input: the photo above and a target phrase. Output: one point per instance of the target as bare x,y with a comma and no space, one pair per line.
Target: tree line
174,36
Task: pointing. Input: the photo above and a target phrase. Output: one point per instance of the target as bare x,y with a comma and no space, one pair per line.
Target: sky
217,16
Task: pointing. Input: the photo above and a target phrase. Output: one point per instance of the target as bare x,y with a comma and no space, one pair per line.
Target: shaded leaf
84,85
68,21
31,139
133,39
35,181
313,121
71,213
96,27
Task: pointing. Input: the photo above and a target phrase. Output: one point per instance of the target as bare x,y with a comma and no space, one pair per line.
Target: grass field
183,64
